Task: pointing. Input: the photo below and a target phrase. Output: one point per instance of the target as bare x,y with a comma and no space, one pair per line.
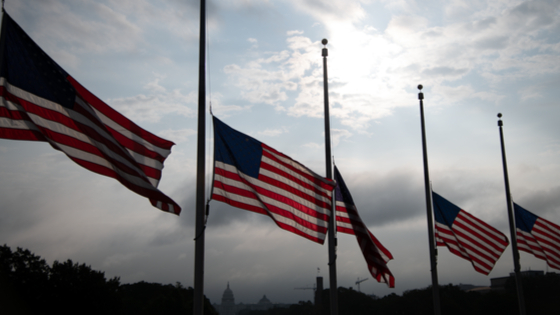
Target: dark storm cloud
220,214
396,196
545,203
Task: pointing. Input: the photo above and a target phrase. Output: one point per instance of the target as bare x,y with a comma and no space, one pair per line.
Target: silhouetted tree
29,286
144,298
24,282
78,287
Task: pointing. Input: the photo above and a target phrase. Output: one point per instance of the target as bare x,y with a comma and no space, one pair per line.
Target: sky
474,58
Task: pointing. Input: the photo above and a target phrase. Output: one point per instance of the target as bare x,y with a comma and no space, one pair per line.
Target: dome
227,297
264,301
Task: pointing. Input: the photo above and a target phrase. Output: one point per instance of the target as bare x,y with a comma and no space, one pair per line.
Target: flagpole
198,298
512,229
433,253
332,220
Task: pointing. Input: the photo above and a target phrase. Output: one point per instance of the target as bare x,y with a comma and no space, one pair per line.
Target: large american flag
348,221
467,236
537,236
250,175
39,101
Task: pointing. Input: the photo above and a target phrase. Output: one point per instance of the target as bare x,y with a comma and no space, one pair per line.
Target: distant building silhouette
500,283
228,306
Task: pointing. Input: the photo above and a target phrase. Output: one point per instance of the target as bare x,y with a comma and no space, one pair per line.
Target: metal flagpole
332,221
433,251
198,298
512,229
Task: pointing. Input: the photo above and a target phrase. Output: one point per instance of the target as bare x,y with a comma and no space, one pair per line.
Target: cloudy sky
474,58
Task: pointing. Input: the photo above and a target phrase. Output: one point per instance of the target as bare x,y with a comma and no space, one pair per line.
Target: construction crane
358,283
308,288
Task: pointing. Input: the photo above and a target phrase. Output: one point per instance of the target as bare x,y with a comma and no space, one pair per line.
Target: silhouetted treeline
542,296
28,285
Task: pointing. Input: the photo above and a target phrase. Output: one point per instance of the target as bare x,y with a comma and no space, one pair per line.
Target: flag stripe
297,199
268,194
77,133
48,105
348,221
122,125
537,236
467,236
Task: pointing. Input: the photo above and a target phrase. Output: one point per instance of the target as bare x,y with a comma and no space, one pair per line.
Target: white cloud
291,33
273,132
153,107
339,134
177,136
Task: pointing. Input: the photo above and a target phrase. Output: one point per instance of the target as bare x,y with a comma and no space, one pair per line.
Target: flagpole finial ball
324,41
499,115
420,86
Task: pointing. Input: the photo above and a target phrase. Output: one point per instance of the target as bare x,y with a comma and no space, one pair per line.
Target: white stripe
548,249
272,188
292,184
480,238
16,124
461,245
295,165
531,241
483,230
344,225
82,155
449,240
270,201
351,217
276,217
41,102
130,135
63,129
549,225
465,243
551,236
142,159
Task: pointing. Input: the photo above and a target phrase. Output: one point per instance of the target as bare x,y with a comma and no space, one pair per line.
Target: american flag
250,175
537,236
348,221
39,101
466,236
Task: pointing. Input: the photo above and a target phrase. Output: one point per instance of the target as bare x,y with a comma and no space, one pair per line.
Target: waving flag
250,175
537,236
466,236
39,101
348,221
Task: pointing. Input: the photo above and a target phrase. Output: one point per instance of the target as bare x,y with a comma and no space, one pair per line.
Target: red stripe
487,230
124,141
282,186
260,210
290,177
273,195
324,183
43,134
117,117
273,209
478,243
276,210
90,133
149,193
372,251
476,248
543,229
